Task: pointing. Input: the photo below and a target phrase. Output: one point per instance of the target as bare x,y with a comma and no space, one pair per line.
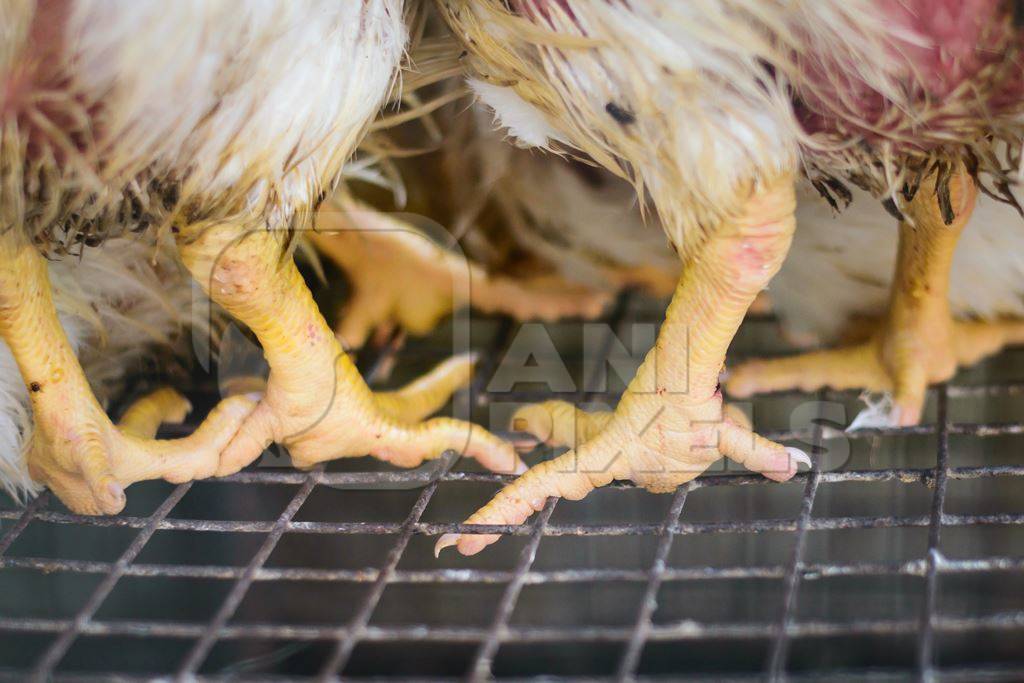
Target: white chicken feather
177,83
583,220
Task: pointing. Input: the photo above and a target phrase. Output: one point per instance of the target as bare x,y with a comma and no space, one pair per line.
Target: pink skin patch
750,258
36,65
538,9
41,67
954,31
941,45
752,253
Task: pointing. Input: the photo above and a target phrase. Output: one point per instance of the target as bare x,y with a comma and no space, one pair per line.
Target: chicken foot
670,424
561,424
400,279
316,404
74,448
918,342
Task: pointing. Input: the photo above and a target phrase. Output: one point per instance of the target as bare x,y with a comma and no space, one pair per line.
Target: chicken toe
402,279
561,424
145,415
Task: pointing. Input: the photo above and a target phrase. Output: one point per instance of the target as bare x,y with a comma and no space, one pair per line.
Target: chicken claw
902,359
389,425
74,448
401,279
918,342
316,404
670,424
658,444
88,462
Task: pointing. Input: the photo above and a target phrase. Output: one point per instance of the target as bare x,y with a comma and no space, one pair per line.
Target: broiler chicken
711,109
225,123
926,167
947,312
586,223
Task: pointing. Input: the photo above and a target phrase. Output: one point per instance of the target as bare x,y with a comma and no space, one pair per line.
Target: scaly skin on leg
401,279
74,448
560,423
670,425
918,342
316,404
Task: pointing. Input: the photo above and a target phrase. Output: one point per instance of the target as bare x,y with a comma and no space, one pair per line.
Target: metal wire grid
343,637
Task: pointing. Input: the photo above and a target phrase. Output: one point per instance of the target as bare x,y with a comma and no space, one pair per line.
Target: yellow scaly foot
74,448
316,404
670,424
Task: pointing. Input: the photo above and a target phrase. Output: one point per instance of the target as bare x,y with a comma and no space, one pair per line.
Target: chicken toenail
800,457
446,541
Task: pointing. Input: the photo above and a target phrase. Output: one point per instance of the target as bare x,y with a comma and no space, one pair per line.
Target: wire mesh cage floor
899,557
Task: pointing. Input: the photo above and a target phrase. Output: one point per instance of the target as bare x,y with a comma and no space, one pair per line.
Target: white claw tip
800,457
520,468
446,541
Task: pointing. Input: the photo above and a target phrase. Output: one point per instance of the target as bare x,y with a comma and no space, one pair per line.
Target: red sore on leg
755,253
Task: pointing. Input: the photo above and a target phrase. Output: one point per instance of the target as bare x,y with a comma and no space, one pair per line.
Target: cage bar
782,632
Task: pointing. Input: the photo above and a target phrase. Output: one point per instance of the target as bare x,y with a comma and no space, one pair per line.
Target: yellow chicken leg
316,404
74,448
670,424
561,424
918,342
401,279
